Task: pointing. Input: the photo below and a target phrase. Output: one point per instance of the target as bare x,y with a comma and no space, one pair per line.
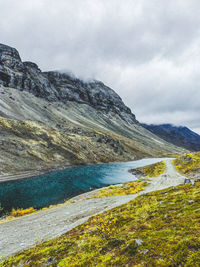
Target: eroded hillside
39,134
49,119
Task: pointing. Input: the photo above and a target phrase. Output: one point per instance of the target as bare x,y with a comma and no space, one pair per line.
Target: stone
144,251
191,201
138,241
50,261
187,181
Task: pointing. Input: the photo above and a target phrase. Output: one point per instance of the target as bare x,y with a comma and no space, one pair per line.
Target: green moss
155,229
153,170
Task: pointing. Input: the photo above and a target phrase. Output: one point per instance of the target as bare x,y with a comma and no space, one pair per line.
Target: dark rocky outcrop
56,86
178,135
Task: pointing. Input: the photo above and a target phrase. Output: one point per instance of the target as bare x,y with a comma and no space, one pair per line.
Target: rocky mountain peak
9,57
32,65
57,86
7,52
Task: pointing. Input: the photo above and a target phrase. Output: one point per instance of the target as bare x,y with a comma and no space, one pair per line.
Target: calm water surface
58,186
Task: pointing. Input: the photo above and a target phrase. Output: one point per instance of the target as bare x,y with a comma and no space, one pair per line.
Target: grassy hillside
188,164
156,229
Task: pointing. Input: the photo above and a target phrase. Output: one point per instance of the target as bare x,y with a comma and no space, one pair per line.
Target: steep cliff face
50,119
177,135
55,86
23,76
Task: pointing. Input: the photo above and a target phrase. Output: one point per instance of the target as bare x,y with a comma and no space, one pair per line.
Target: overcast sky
148,51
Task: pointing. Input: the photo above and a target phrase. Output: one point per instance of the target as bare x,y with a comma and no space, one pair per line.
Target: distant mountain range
178,135
51,119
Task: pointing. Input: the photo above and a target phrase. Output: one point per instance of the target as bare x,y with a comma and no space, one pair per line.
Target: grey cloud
148,51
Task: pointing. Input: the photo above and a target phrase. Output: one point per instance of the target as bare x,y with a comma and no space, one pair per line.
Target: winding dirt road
24,232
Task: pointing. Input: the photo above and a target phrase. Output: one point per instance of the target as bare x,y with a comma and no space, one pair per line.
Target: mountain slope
50,119
177,135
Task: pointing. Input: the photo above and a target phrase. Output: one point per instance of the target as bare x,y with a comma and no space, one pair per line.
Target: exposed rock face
179,136
56,86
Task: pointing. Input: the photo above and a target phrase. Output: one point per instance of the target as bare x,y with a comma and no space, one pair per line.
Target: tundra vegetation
188,164
155,229
21,212
123,189
153,170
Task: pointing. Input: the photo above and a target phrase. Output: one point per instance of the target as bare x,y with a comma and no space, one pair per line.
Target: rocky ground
24,232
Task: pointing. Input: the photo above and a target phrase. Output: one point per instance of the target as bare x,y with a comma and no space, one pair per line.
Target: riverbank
25,232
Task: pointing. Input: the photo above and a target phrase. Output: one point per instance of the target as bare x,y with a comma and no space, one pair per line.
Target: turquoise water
58,186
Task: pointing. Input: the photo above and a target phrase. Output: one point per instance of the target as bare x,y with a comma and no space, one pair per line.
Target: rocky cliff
50,119
56,86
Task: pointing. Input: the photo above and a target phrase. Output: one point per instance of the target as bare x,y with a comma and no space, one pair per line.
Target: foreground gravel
24,232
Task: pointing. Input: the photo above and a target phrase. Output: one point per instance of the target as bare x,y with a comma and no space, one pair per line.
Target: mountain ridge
180,136
57,86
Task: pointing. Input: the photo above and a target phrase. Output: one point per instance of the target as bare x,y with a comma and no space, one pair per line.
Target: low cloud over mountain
148,51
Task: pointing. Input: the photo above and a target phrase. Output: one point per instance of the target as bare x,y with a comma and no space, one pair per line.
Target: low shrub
21,212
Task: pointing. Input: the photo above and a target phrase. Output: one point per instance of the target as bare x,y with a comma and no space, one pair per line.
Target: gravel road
24,232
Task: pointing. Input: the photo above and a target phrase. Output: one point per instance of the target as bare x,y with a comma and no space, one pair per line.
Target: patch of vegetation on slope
123,189
155,229
152,170
188,164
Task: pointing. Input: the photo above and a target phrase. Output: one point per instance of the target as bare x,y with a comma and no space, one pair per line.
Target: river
58,186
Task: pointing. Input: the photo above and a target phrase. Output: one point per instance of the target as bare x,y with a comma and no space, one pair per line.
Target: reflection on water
58,186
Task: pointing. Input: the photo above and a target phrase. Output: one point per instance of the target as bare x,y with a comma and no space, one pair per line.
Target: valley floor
27,231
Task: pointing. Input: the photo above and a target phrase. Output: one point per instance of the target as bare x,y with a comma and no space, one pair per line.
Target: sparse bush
106,228
21,212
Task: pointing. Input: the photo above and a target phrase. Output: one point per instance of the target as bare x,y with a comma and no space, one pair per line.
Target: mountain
178,135
54,86
51,119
